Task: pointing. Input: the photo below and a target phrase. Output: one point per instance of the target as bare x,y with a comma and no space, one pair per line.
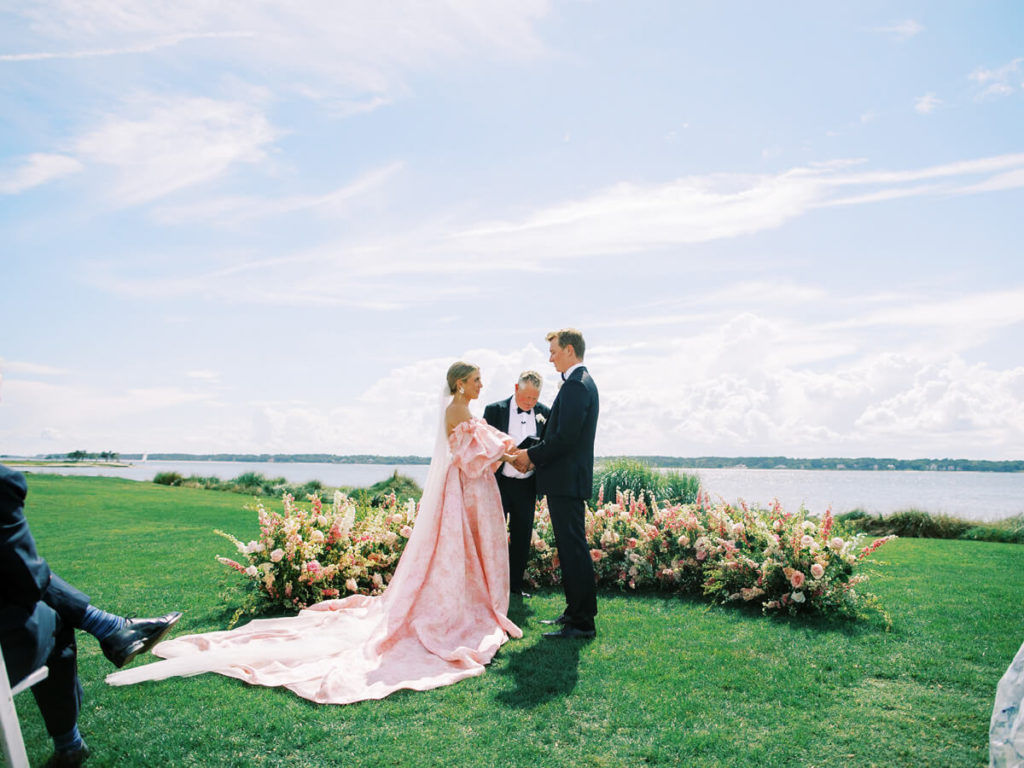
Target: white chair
14,745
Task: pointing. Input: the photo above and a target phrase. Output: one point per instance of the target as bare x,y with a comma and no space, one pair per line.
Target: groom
564,461
523,419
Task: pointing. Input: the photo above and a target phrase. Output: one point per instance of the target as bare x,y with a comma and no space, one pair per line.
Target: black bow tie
563,377
520,410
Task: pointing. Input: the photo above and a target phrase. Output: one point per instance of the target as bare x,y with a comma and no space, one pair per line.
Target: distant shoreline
662,462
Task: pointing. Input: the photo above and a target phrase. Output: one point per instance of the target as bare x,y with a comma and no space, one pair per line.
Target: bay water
982,496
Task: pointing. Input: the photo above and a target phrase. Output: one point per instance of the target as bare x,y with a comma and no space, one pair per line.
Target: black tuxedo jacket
565,456
24,575
496,414
26,582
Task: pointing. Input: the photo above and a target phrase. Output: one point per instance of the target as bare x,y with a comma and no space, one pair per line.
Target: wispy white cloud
366,48
231,211
926,104
148,47
35,170
28,368
903,30
156,146
623,219
1001,81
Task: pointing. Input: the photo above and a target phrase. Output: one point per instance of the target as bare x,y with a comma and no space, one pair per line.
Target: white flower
252,571
809,526
540,418
798,597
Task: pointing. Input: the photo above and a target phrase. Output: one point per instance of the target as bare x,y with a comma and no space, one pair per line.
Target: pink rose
351,585
817,571
406,531
796,579
277,555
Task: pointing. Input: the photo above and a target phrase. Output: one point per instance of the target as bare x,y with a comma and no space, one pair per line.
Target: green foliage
248,483
667,682
644,482
168,478
915,523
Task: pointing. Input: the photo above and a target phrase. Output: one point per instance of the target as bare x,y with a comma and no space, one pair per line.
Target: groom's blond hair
568,336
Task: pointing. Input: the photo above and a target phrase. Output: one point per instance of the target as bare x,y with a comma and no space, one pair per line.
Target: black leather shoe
563,619
137,636
70,759
571,633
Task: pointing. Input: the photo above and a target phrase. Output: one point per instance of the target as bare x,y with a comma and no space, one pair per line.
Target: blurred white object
1006,734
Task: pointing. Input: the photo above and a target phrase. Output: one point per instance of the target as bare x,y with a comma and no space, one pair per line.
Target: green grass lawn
667,682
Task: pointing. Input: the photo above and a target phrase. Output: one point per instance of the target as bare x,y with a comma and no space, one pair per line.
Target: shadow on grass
546,670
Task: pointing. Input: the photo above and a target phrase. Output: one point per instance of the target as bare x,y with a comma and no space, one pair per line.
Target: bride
442,617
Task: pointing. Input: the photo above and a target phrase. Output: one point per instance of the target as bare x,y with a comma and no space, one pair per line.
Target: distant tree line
305,458
863,463
669,462
85,455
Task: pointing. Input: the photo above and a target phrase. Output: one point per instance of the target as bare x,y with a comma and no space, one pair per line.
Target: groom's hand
522,462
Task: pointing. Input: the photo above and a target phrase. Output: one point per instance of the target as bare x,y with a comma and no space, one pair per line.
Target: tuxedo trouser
519,500
46,638
569,526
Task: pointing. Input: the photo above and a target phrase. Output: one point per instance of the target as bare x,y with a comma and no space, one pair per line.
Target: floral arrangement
784,562
305,555
780,560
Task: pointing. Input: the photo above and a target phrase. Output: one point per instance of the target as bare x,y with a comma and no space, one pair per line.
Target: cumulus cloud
903,30
1001,81
926,104
35,170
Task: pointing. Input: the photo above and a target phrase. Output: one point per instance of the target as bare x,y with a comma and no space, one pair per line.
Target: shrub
168,478
399,486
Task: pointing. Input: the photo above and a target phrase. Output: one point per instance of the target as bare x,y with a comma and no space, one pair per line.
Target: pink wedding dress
441,619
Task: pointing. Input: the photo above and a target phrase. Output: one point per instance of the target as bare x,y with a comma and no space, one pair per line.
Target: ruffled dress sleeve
476,446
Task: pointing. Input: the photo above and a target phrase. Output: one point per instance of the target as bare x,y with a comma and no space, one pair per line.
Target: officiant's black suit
38,613
565,474
518,495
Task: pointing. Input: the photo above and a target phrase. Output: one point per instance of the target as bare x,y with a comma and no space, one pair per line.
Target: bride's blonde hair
458,372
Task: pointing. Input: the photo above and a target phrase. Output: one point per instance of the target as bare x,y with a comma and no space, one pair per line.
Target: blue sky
785,229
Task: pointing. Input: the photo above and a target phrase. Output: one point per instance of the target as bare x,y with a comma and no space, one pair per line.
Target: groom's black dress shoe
570,633
137,636
563,619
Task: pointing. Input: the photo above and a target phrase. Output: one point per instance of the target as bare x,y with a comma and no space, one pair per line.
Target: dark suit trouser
519,500
47,639
568,524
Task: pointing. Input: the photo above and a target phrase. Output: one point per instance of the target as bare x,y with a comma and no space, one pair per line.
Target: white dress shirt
520,427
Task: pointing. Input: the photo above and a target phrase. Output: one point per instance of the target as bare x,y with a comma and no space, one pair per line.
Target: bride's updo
457,372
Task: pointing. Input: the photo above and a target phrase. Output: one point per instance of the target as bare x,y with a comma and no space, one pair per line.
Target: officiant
524,419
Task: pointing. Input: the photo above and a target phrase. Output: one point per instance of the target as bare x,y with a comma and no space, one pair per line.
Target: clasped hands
519,459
